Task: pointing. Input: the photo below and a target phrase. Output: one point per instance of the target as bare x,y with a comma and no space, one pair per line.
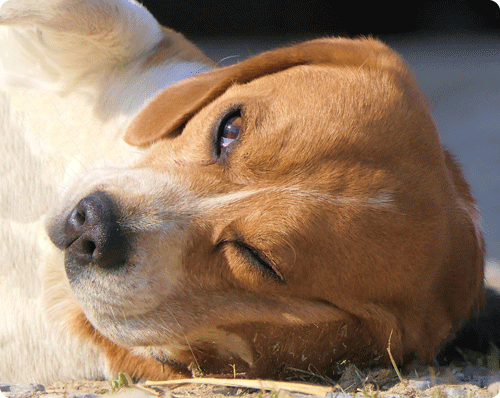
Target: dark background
197,18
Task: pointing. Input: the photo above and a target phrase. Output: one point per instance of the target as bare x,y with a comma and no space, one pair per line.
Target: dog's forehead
308,116
332,100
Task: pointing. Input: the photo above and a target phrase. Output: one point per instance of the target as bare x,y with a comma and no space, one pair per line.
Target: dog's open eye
229,130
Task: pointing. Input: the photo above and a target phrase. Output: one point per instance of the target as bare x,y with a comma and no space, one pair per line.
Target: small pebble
421,384
494,388
53,396
4,388
17,390
38,387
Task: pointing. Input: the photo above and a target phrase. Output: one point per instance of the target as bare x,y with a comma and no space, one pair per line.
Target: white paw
64,43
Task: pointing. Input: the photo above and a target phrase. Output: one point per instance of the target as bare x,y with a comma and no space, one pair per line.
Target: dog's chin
117,302
126,330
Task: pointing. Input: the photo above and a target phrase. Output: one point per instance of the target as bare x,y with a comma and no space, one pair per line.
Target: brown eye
228,133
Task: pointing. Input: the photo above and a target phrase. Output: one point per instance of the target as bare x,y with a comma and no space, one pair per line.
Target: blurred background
452,46
274,17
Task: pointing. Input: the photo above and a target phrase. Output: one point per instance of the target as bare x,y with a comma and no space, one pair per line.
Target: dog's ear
173,107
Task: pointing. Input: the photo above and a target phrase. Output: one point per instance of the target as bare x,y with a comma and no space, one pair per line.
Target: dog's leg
70,43
99,47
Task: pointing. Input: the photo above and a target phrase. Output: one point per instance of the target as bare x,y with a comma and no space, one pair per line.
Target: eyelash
258,259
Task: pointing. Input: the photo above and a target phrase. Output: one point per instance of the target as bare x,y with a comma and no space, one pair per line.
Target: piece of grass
393,361
493,358
490,360
264,385
311,375
123,380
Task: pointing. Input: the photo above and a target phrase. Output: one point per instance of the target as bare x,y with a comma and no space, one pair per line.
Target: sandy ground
452,382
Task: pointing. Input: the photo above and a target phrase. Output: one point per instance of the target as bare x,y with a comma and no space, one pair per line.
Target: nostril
84,248
88,247
93,234
79,217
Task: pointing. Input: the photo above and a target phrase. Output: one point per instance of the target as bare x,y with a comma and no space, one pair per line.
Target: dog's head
294,209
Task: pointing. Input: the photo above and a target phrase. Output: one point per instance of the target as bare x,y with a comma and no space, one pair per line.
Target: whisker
226,58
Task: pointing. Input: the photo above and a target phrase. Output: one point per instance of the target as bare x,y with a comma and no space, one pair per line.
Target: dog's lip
169,361
54,232
57,233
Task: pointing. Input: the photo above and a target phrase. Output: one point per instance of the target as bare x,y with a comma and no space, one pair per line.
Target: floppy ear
173,107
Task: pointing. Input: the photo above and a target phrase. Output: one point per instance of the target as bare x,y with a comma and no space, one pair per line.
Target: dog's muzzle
91,236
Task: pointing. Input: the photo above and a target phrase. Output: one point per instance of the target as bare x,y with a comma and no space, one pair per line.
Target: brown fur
368,220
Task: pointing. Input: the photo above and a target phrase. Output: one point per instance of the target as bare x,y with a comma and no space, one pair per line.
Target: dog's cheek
121,359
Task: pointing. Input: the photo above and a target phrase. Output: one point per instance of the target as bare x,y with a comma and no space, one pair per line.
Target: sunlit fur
338,179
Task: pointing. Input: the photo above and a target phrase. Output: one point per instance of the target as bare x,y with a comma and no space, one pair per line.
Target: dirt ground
450,382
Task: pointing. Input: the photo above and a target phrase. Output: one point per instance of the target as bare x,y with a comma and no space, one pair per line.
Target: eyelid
265,265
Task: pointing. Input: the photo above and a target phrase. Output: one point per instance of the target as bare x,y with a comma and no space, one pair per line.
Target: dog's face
294,217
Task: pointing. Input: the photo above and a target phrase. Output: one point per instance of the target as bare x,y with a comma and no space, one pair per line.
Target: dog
296,209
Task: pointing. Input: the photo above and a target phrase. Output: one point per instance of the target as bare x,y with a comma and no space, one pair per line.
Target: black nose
92,234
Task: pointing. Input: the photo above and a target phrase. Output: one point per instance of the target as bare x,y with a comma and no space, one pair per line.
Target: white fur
70,82
383,199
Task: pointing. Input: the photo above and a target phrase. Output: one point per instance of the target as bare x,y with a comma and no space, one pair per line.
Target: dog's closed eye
254,258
